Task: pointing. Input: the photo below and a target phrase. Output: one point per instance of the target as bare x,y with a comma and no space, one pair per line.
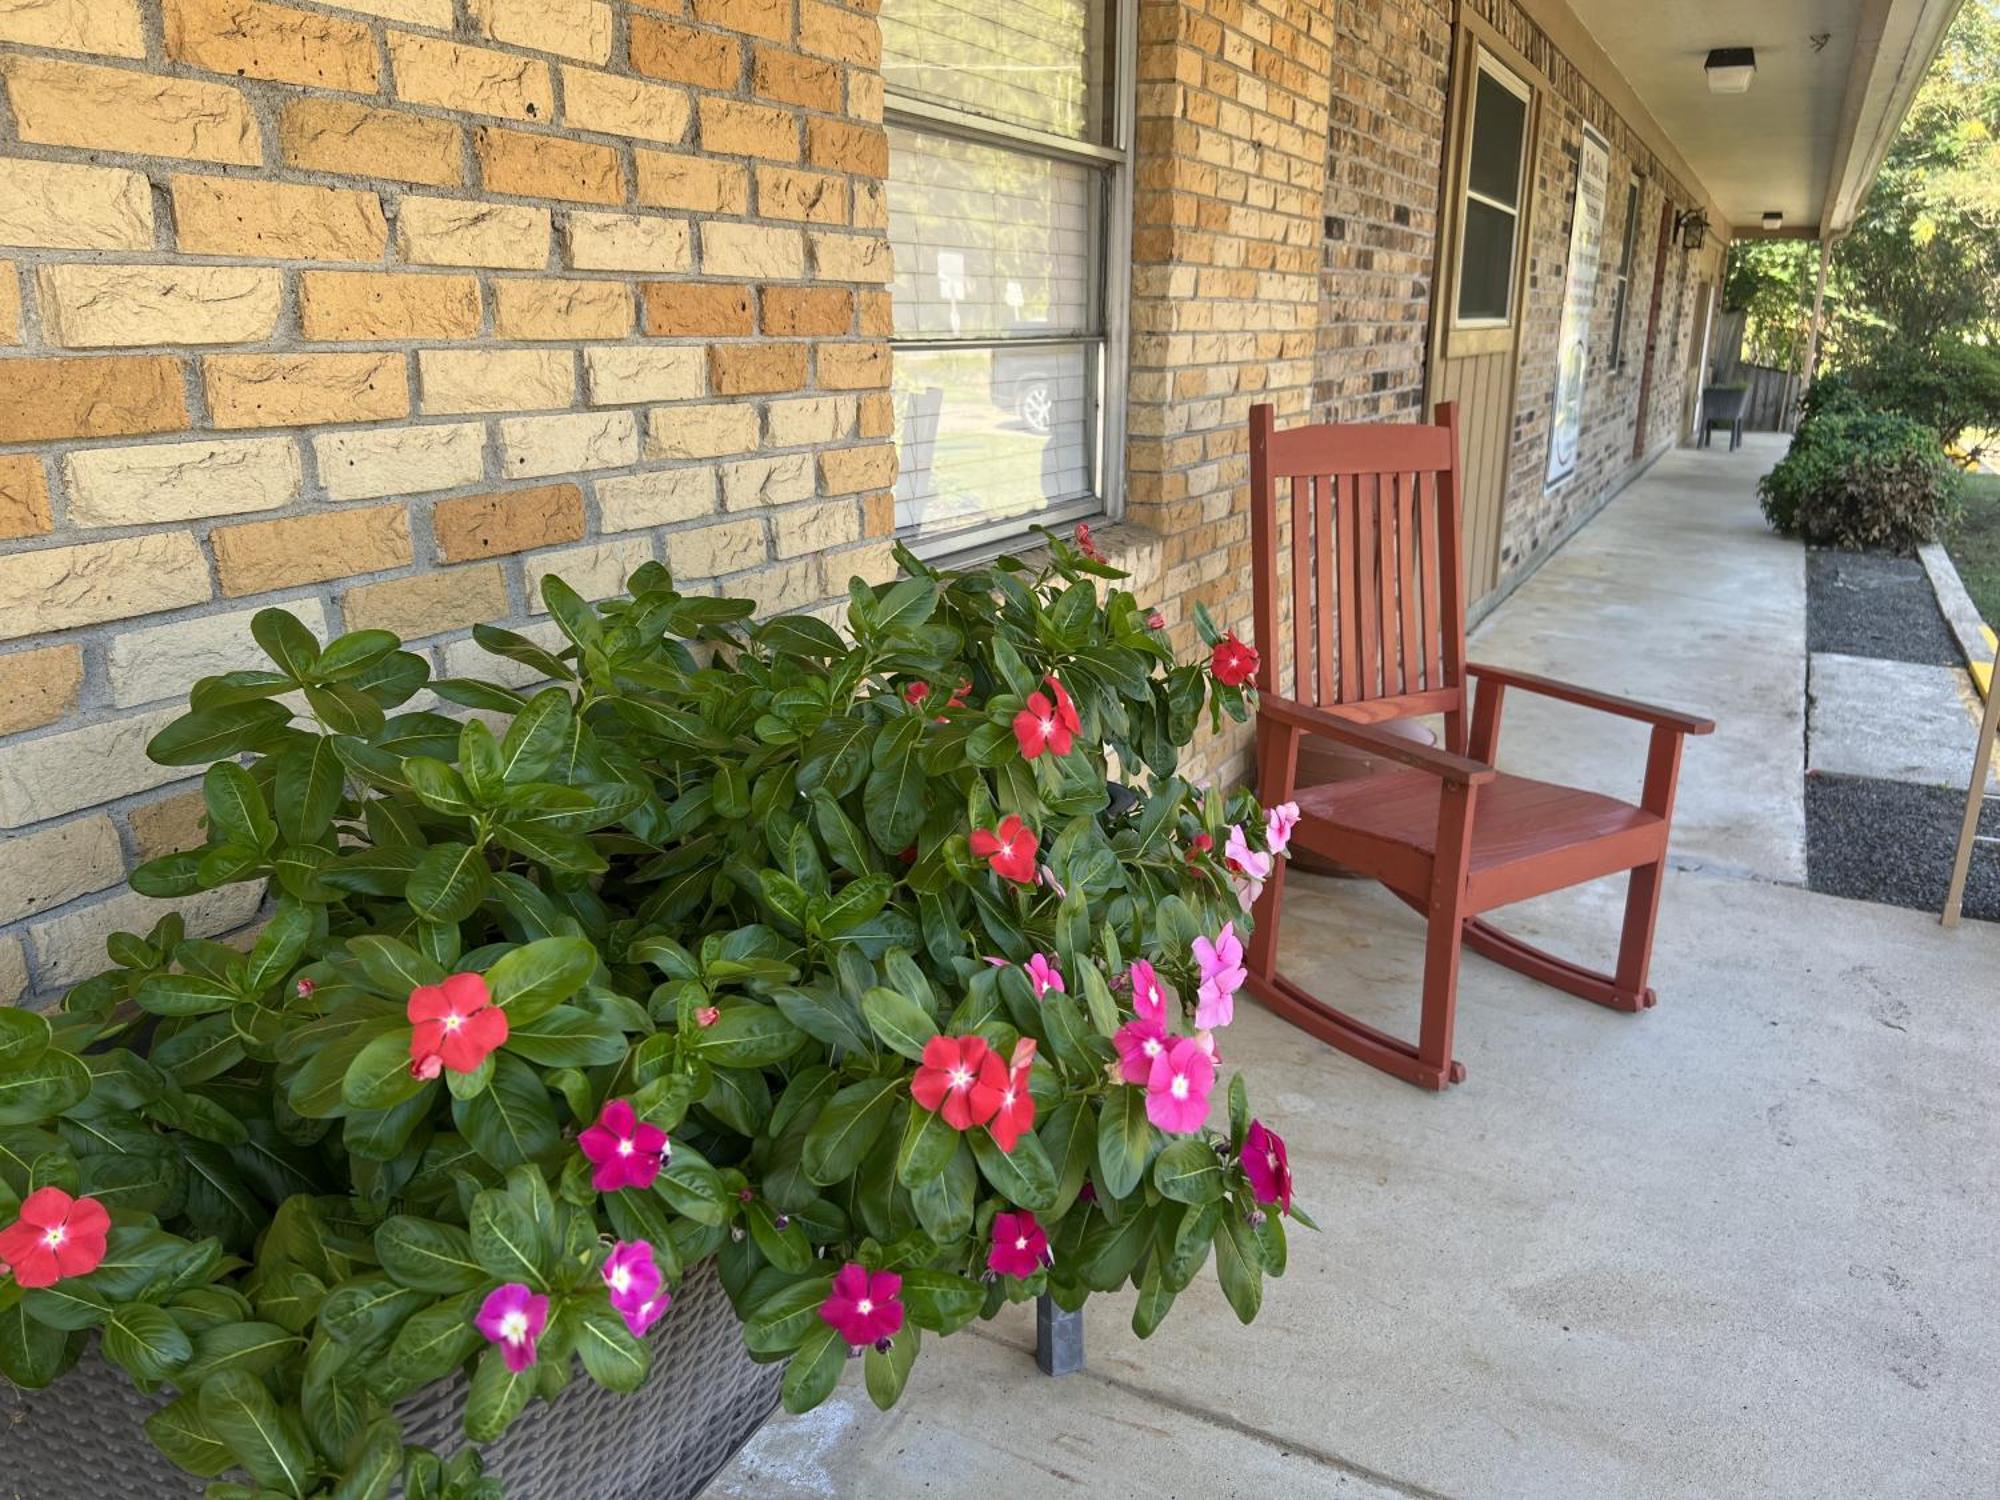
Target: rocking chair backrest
1378,606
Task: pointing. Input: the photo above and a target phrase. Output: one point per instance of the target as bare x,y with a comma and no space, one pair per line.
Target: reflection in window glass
1037,63
1499,117
986,435
1486,273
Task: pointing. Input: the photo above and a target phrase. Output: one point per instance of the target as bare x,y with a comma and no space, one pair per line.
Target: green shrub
1952,388
1860,479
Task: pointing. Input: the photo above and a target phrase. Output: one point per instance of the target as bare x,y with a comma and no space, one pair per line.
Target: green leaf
436,1341
373,1470
362,1311
24,1036
427,1255
1125,1140
439,787
748,1036
927,1149
345,709
940,1301
536,736
178,1431
1110,1251
448,883
236,806
1024,1176
814,1371
394,968
287,642
1156,1299
899,1021
506,1241
1238,1266
39,1090
31,1354
888,1372
256,1347
350,653
145,1341
380,1076
892,799
308,786
1188,1171
568,1038
184,995
67,1305
278,947
197,738
537,977
497,1395
613,1358
780,1323
848,1127
844,841
269,1443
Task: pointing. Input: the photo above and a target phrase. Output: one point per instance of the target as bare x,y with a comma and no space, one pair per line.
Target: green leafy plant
1857,478
840,958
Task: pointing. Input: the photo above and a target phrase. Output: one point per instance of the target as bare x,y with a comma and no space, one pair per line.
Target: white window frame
1485,62
1106,418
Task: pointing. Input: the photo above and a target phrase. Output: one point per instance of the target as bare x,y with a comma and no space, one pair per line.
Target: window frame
1107,352
1484,61
1635,199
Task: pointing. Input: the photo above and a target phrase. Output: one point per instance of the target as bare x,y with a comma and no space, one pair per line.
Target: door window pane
1038,63
1486,274
1499,119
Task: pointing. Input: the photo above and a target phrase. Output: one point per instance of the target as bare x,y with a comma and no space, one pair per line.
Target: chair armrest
1624,708
1440,763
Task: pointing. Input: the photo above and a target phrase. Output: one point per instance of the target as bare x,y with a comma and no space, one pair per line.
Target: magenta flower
1267,1166
1177,1090
624,1151
1020,1245
864,1306
1248,868
1149,997
1222,975
1044,976
1143,1038
1279,822
513,1316
638,1292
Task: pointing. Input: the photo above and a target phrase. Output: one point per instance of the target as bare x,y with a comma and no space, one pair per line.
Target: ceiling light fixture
1774,220
1730,69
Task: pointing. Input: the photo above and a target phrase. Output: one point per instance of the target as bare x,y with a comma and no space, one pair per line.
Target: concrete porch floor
1742,1245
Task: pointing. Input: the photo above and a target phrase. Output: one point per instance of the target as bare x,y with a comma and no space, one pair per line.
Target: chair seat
1528,837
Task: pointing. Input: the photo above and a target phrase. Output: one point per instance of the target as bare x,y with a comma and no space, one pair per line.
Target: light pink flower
1044,976
1177,1090
1222,975
1279,822
1248,868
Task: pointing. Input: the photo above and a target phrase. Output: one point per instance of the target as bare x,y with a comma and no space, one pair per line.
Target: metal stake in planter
1975,796
1058,1338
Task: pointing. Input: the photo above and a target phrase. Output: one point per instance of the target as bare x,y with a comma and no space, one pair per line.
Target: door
1482,257
1697,372
1660,251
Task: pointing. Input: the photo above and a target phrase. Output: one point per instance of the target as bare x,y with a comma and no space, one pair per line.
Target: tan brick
865,97
168,825
38,687
757,251
847,147
766,18
693,183
872,562
109,28
779,587
871,204
336,135
710,551
467,658
400,460
878,415
878,319
682,54
13,971
851,257
435,14
65,207
654,497
531,447
756,369
164,661
466,380
70,947
10,304
475,80
844,471
282,220
461,232
258,40
296,390
801,529
477,526
264,555
180,481
806,311
44,869
553,309
117,109
110,306
815,419
79,768
790,79
24,496
547,166
57,588
618,374
701,431
387,305
811,197
759,482
734,127
679,309
568,28
878,513
840,34
112,395
853,367
627,242
596,570
615,105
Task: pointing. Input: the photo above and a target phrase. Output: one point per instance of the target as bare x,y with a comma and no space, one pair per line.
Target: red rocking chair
1378,633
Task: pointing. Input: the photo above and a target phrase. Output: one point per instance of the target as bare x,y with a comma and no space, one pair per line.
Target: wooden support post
1975,795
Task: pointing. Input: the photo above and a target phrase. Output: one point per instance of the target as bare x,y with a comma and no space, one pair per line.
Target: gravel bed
1872,604
1892,842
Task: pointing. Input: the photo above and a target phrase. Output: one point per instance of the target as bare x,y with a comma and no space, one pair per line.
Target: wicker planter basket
81,1439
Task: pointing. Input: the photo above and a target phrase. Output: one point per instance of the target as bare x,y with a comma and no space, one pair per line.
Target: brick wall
380,310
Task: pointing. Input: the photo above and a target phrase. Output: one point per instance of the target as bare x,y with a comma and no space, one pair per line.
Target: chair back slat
1428,547
1323,511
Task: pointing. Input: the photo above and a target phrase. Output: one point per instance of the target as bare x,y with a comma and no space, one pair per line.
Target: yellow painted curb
1982,671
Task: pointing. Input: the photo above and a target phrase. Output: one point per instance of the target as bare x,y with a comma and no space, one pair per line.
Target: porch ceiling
1808,136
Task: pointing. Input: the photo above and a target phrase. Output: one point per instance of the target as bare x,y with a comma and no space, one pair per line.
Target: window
1624,278
1490,209
1008,212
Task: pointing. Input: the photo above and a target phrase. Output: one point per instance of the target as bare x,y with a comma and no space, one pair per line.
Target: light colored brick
614,105
461,232
70,948
759,482
813,528
111,395
756,369
568,28
279,220
474,80
528,165
337,135
872,562
38,687
295,390
628,242
257,40
655,497
64,207
180,481
701,431
596,570
126,307
400,460
810,197
260,556
479,526
790,79
435,14
694,184
844,35
852,257
710,551
57,588
561,309
24,496
337,305
168,825
682,309
853,367
684,54
44,869
736,127
771,19
778,588
845,471
844,146
13,970
757,251
61,773
109,28
618,374
10,304
117,109
428,603
531,447
815,419
466,380
467,658
164,661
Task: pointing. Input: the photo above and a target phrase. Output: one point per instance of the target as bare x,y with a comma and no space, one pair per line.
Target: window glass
1038,63
1485,280
1624,276
1499,119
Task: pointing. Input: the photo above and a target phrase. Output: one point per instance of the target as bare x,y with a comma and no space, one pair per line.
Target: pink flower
1156,621
1020,1245
1177,1089
1149,999
624,1151
1279,822
961,1078
1199,845
1267,1166
306,988
455,1022
1222,975
513,1316
1010,849
637,1290
1248,868
55,1236
864,1306
1043,976
1143,1038
707,1015
1016,1114
1086,544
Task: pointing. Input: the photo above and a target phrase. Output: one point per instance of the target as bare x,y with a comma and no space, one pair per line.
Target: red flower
1040,727
864,1307
960,1078
1016,1114
457,1024
1156,621
1010,849
1066,714
915,692
56,1236
1233,663
1020,1245
1085,544
1199,845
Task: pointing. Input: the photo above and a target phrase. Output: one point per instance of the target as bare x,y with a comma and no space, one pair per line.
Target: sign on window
1586,241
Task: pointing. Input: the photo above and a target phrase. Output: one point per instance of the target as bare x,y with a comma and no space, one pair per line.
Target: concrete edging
1976,641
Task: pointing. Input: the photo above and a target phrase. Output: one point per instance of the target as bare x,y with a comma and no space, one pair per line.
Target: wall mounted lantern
1690,228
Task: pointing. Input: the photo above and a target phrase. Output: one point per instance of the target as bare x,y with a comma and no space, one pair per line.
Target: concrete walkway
1742,1245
